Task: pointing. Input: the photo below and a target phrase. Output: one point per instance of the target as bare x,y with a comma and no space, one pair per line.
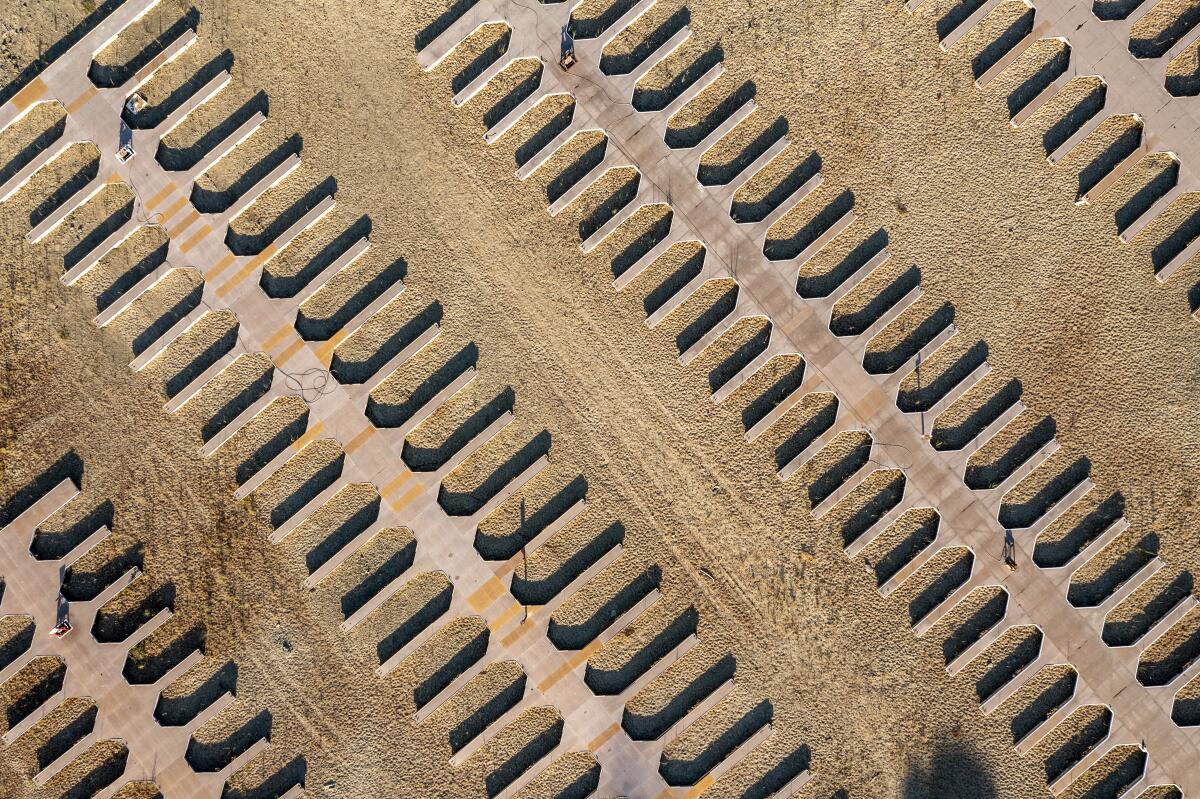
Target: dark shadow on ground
954,770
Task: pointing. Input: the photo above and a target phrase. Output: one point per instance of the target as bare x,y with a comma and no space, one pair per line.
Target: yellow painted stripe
220,266
325,351
173,209
235,281
82,99
525,626
265,255
196,239
485,595
504,618
189,218
245,272
408,497
287,354
360,439
400,480
163,194
603,738
277,338
35,91
568,667
309,436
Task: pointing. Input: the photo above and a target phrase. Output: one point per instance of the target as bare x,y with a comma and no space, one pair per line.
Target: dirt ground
1065,307
29,29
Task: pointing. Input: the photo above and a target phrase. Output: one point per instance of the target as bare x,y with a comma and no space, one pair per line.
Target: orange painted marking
360,439
287,354
115,178
400,480
504,618
486,594
234,281
35,91
220,266
525,626
80,101
173,209
184,223
196,239
309,436
265,255
153,202
247,270
603,738
408,497
325,351
277,338
568,667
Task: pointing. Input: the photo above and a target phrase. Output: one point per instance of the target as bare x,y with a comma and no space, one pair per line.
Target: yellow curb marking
695,791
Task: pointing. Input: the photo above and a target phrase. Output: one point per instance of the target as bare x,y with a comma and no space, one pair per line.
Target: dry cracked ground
1066,307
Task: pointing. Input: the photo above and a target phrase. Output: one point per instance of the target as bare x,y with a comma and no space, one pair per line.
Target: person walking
1010,551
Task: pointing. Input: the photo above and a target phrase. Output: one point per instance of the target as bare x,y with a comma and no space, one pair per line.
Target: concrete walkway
371,455
1037,596
1134,86
768,288
94,670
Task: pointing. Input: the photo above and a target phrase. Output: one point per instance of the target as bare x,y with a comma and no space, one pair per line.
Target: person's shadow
524,561
63,607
